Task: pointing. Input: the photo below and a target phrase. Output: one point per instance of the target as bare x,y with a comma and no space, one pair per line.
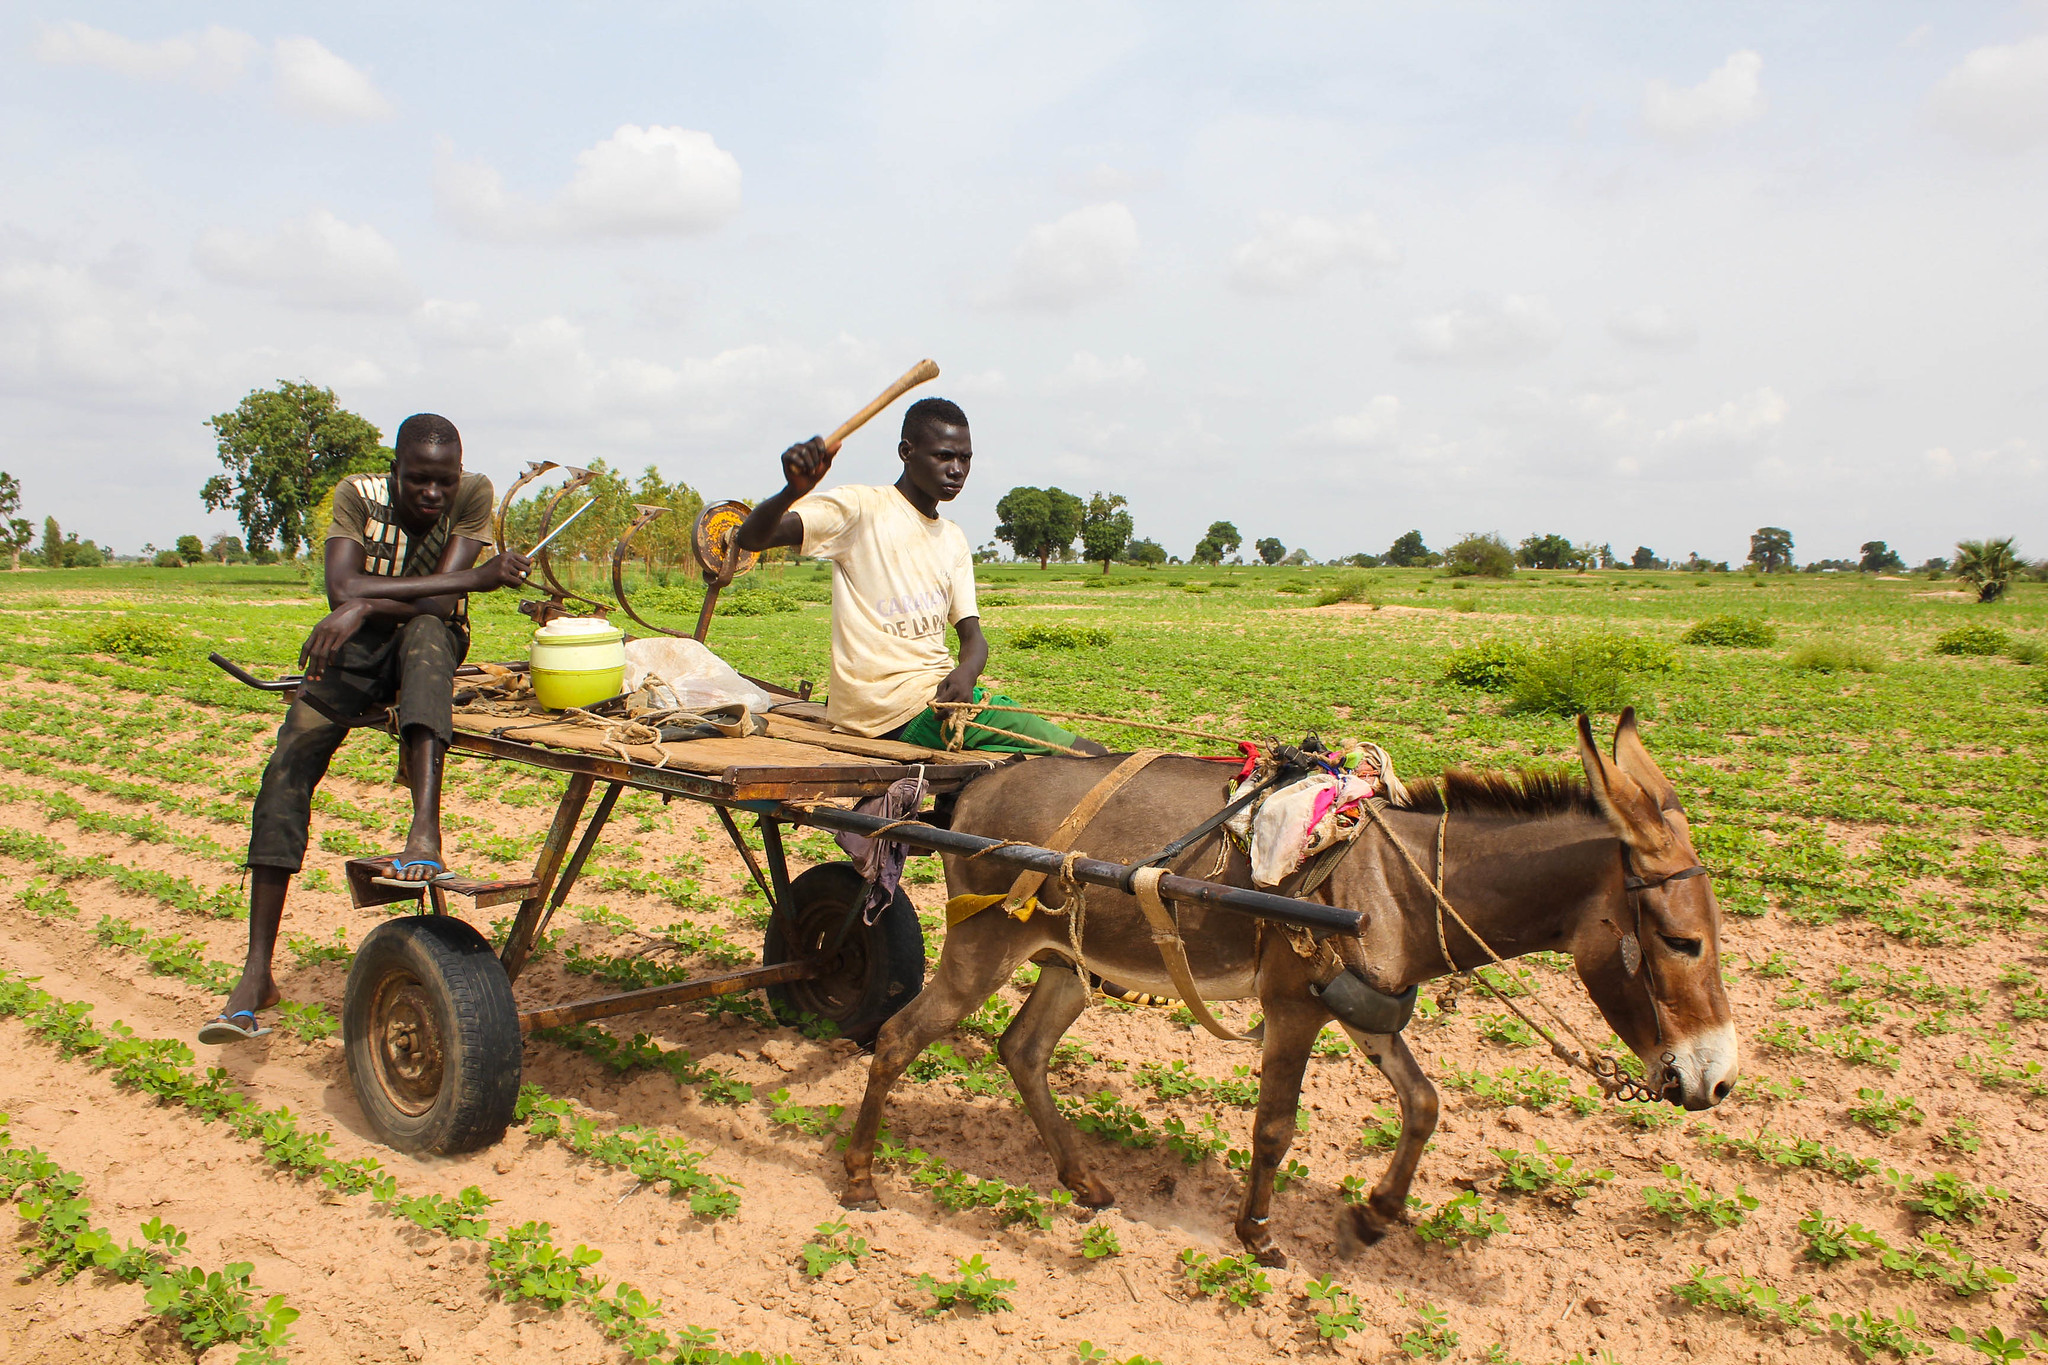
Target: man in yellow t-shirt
901,574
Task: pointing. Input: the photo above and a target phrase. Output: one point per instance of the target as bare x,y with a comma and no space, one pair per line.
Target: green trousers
928,730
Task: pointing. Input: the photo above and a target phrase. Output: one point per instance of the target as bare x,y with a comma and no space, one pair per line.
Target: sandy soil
371,1289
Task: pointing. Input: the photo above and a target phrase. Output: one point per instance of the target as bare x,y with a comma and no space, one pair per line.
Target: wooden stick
922,372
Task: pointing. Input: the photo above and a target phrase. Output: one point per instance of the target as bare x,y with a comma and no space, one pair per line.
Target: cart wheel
432,1036
878,969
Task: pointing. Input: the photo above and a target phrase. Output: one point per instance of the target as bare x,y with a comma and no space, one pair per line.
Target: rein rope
1605,1070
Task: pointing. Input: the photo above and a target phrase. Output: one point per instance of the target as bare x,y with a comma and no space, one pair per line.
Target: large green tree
283,449
1878,557
1408,552
1038,523
1222,539
16,532
1770,549
1271,551
1105,528
1551,551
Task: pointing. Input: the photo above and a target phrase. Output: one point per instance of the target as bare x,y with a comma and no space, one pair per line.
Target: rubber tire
882,964
461,989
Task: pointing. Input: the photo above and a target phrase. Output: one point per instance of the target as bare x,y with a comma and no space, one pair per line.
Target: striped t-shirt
364,512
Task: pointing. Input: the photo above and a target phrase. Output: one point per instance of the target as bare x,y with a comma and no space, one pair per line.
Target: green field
1875,827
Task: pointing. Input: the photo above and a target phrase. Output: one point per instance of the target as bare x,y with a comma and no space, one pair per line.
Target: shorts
412,662
1038,735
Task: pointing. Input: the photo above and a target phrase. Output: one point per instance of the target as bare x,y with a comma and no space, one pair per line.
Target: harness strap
1027,883
1166,938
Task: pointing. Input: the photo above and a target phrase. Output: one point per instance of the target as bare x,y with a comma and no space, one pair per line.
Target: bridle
1635,961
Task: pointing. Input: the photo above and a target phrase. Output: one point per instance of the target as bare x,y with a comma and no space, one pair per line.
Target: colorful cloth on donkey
1289,825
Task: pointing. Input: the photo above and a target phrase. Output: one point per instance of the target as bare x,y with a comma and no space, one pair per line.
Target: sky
1631,273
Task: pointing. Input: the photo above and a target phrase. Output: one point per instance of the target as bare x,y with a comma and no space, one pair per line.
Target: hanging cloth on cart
881,860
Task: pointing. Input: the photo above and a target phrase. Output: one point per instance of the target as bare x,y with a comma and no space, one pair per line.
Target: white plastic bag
699,679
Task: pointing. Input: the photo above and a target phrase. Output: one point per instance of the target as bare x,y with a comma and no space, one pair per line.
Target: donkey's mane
1516,791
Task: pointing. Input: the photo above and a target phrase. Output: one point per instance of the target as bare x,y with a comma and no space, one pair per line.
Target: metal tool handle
559,529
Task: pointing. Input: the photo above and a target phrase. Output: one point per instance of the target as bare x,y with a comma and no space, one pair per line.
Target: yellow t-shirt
899,578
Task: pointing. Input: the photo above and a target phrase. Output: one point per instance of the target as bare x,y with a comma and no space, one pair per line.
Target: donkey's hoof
860,1195
1357,1229
1272,1257
1091,1193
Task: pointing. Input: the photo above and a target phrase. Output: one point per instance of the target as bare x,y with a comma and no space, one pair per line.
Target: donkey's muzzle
1362,1007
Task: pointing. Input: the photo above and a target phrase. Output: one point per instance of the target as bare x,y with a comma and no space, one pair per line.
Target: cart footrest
369,883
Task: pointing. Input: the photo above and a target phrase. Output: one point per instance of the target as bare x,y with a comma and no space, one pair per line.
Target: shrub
2028,652
168,559
1594,673
760,602
1732,631
1973,639
1490,665
1828,655
1485,555
1059,637
1349,587
134,637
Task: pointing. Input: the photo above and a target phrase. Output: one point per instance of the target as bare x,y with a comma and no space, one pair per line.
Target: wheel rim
839,990
406,1045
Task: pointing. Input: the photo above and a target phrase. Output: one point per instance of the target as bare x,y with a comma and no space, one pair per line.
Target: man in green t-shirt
401,560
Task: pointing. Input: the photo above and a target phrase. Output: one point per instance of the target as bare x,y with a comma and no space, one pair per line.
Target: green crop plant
816,1120
1886,1114
1686,1199
1532,1087
1099,1241
1507,1030
1195,1143
1871,1334
1558,1178
1088,1353
307,951
1431,1337
835,1245
1946,1195
307,1022
1994,1345
1234,1279
976,1289
1460,1220
952,1188
1334,1309
643,1152
1104,1115
1960,1136
1177,1080
1381,1132
1747,1297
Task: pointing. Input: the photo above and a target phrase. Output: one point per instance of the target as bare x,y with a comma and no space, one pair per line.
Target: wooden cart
432,1031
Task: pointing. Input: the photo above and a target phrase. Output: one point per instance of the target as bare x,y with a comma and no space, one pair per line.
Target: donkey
1604,871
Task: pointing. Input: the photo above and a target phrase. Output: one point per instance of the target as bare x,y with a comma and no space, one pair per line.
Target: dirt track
371,1288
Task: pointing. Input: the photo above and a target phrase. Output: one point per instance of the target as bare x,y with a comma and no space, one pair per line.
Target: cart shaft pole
1091,871
654,997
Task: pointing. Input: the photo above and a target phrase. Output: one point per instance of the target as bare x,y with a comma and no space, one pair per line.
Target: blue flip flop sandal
216,1032
441,873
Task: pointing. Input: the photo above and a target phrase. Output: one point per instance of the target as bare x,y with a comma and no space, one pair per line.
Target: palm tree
1987,563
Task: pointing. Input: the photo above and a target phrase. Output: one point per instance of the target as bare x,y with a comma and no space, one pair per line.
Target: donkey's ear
1628,808
1635,760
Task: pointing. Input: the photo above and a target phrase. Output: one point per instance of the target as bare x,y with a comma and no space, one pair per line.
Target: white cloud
2011,460
1654,328
1997,97
317,261
1737,422
211,58
1484,332
314,83
1071,260
64,329
1372,425
639,182
1291,252
1089,370
1731,94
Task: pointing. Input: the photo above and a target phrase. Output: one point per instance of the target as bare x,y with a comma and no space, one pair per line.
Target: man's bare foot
255,991
423,852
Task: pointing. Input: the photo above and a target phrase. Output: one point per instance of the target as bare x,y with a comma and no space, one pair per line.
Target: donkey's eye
1690,947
